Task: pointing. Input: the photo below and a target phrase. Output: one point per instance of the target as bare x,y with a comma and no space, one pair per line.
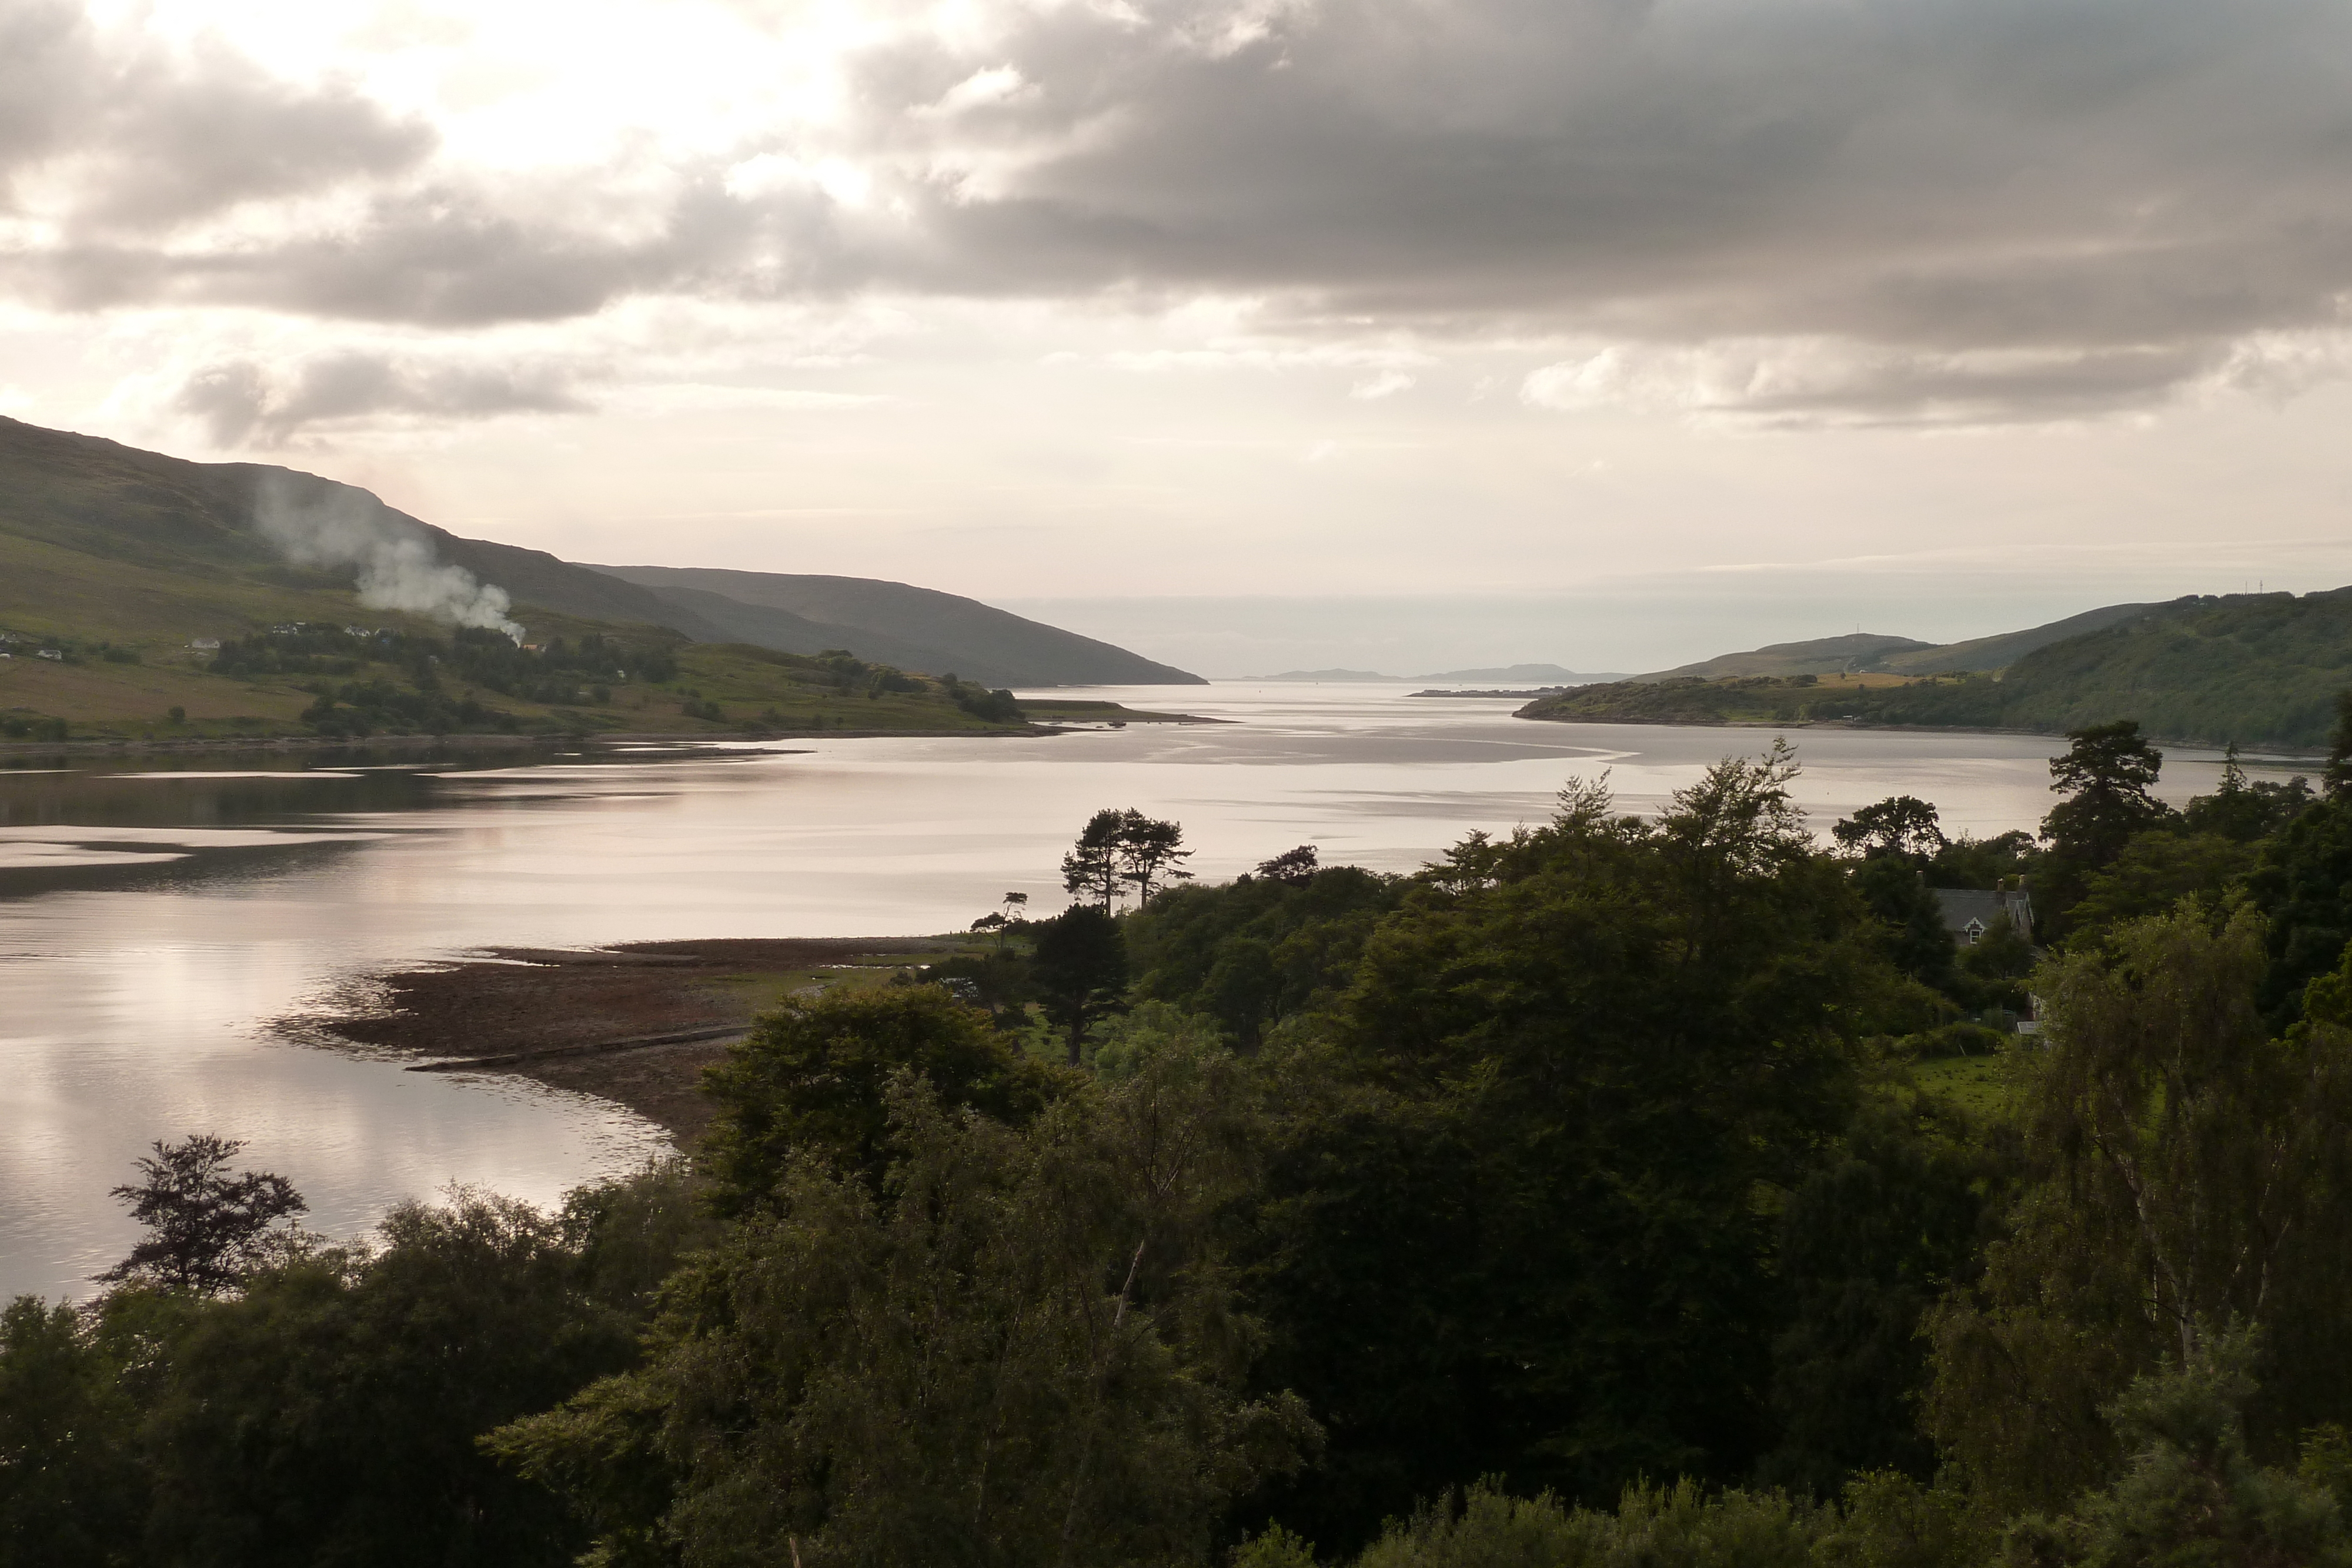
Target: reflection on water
154,918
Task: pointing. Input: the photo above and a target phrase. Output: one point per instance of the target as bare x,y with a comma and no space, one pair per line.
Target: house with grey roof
1971,913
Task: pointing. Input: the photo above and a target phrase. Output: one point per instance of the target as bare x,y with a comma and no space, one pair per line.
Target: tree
2105,777
1020,1350
1917,940
71,1492
2155,872
1294,866
206,1229
1967,862
2338,779
809,1079
1526,1234
330,1413
1257,949
995,706
2302,881
1092,869
1901,825
2243,809
2186,1170
2193,1493
1080,968
1120,849
1152,851
1866,1245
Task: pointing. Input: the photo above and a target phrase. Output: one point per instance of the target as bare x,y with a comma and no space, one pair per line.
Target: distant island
1538,675
1507,694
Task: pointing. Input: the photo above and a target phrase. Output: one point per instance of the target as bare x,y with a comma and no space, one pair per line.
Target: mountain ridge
2244,669
187,550
1878,652
902,625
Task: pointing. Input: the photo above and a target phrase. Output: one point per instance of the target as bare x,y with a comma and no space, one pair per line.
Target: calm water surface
157,918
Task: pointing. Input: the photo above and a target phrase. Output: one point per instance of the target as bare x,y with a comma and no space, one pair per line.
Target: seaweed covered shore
634,1024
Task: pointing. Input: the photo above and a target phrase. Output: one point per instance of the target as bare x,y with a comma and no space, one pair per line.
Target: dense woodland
1625,1191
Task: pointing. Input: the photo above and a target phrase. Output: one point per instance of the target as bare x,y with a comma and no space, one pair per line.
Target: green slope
2256,669
1872,652
185,533
1819,656
918,627
121,559
2000,652
1686,699
192,523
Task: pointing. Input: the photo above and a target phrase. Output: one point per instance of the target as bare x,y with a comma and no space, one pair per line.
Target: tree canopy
1623,1190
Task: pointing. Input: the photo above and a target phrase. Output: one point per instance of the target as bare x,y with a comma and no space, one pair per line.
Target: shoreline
467,742
499,741
2268,752
635,1022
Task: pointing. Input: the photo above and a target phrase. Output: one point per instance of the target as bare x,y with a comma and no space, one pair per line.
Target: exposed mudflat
635,1023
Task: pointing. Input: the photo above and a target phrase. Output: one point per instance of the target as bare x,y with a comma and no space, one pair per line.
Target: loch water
163,915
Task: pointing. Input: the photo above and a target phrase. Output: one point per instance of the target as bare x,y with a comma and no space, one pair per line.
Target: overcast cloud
1920,208
339,227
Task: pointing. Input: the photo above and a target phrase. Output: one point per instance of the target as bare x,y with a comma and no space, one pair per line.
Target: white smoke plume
397,569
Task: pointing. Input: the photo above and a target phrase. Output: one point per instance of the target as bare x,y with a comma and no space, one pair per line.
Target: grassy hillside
920,628
1738,699
2000,651
320,679
2257,669
99,540
174,616
1876,653
212,572
1821,657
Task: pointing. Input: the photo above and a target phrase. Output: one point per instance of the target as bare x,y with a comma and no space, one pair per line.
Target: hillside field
127,690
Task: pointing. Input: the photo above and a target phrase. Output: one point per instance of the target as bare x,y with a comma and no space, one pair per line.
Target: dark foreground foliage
1604,1195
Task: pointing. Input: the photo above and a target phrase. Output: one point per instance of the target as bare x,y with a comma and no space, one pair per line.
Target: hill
1821,657
205,527
1505,675
1524,676
916,628
2255,669
1733,699
1867,652
1329,675
2000,652
336,613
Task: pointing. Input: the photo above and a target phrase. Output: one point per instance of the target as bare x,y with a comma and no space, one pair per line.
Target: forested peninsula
1623,1191
2248,669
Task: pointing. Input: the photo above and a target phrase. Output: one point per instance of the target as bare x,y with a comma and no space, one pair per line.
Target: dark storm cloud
1950,172
242,402
150,137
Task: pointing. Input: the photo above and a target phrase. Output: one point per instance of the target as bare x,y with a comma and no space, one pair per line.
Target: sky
1406,335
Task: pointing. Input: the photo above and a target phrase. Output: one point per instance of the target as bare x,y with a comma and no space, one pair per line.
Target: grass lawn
1980,1085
